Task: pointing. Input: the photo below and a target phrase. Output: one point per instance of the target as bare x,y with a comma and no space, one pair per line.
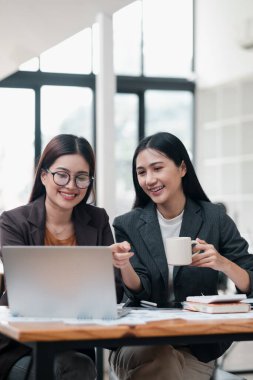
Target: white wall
225,108
221,26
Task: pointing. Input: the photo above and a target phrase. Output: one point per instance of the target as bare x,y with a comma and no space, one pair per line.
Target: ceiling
29,27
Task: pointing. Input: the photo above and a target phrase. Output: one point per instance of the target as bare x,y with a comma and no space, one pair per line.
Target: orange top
50,239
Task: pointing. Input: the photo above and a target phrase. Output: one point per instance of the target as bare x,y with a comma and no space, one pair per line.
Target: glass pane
127,40
126,123
31,65
70,56
170,111
66,110
17,122
168,35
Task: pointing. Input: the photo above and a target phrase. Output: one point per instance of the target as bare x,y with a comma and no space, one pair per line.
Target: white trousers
158,363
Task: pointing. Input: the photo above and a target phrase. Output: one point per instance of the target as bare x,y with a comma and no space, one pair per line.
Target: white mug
179,250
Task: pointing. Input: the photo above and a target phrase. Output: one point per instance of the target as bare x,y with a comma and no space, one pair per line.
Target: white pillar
105,90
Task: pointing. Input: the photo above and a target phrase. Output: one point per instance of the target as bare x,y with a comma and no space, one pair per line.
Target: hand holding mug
209,257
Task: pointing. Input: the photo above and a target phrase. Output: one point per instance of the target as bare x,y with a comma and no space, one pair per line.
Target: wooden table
47,338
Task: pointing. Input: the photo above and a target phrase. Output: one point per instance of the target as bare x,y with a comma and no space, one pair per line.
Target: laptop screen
61,282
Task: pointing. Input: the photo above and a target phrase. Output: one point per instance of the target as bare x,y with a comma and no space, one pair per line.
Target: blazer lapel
85,233
152,238
191,224
37,219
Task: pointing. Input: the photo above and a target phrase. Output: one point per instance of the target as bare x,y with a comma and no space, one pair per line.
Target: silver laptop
60,282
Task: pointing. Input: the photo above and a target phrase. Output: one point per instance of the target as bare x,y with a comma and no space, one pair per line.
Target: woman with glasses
58,213
170,202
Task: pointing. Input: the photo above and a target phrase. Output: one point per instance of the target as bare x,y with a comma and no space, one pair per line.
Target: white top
170,228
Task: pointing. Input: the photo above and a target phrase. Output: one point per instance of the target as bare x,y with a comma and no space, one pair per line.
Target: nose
72,183
150,178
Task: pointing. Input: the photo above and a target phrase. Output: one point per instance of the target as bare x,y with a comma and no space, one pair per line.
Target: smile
156,189
67,195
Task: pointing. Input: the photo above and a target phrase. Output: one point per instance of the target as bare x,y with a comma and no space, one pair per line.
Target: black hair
169,145
61,145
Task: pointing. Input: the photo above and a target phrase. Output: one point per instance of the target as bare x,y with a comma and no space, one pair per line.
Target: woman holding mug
170,202
58,213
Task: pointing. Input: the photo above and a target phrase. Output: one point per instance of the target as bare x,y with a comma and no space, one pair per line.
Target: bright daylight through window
55,93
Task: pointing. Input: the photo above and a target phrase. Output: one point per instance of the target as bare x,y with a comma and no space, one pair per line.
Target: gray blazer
204,220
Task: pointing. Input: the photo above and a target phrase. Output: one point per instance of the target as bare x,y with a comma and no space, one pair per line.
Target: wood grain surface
58,331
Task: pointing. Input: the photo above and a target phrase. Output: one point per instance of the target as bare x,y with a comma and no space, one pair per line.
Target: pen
148,303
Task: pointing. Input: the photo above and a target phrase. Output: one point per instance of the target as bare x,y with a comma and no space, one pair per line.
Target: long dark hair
59,146
173,148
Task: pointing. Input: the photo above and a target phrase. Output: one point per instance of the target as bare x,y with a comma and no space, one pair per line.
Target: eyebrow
152,164
67,170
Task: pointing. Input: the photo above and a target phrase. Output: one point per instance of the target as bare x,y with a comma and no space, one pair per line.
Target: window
16,146
66,110
71,56
170,111
127,40
55,93
159,35
31,65
168,37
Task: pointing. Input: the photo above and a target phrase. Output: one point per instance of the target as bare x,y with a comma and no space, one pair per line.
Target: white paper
135,317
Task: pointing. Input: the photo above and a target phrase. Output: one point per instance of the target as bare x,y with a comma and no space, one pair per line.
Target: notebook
224,303
60,282
216,308
217,298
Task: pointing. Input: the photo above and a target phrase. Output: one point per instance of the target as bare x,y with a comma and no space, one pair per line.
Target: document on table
135,317
6,316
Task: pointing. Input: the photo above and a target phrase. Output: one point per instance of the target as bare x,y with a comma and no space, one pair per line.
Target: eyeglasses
62,178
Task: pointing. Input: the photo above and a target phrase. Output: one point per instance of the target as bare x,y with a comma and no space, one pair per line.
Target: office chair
220,374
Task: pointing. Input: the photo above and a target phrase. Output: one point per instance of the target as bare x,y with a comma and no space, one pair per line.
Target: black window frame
124,85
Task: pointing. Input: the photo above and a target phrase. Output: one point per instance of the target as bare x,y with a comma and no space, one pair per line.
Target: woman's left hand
209,257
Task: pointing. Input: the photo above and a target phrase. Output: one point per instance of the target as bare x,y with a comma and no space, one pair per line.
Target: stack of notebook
217,304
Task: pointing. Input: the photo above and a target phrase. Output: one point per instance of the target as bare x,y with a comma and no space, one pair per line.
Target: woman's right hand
120,257
121,254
